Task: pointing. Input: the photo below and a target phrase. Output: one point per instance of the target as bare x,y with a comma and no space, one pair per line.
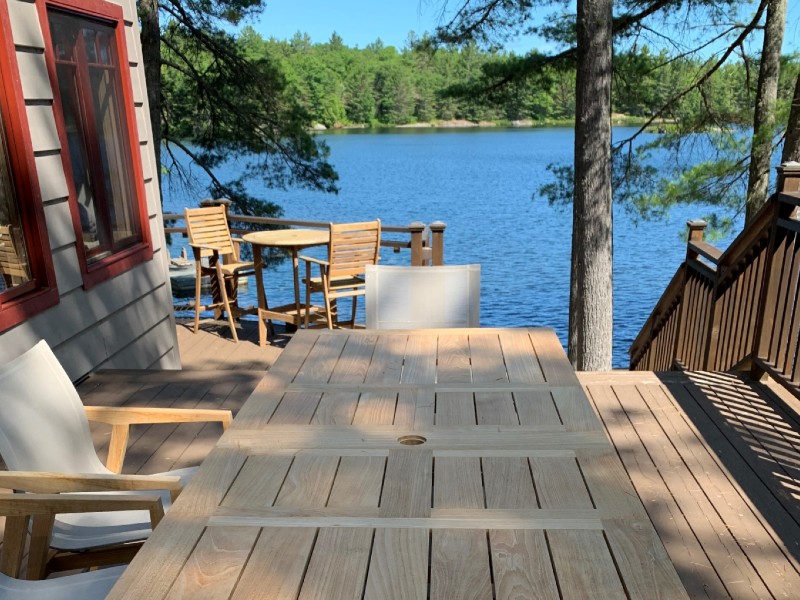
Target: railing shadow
754,438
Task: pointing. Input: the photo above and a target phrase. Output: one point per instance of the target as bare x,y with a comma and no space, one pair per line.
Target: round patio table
293,240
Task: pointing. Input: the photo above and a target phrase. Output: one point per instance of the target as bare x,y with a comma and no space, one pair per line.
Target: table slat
399,566
277,566
213,569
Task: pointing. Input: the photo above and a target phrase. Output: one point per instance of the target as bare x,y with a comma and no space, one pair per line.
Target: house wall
127,321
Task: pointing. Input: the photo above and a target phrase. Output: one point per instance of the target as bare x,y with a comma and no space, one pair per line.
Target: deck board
714,459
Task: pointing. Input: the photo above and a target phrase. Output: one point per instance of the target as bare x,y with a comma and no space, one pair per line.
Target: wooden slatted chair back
208,226
352,247
13,262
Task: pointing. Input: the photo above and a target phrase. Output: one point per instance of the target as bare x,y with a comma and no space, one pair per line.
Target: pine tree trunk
151,59
764,117
591,298
791,143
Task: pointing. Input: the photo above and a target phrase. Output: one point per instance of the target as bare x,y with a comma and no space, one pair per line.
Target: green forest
339,86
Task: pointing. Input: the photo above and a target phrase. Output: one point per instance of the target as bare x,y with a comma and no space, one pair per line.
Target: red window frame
30,298
123,260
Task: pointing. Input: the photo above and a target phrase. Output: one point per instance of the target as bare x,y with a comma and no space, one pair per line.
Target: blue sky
361,22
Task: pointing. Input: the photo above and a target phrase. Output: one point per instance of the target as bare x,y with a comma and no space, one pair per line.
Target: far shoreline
461,124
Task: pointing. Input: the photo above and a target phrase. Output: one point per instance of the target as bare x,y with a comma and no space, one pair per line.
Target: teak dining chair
36,512
210,239
351,248
47,446
13,261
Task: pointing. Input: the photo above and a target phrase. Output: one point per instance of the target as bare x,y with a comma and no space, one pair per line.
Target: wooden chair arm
310,259
132,415
43,482
122,417
18,505
41,509
205,247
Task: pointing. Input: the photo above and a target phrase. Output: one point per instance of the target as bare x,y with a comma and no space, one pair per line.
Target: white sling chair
47,446
423,297
93,585
20,508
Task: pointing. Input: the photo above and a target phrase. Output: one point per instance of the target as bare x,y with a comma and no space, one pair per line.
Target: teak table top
288,238
515,492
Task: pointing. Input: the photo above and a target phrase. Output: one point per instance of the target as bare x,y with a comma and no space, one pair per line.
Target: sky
358,22
361,22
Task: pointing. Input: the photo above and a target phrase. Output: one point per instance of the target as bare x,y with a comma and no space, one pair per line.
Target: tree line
338,86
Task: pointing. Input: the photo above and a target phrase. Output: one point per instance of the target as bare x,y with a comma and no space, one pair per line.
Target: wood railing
738,309
426,242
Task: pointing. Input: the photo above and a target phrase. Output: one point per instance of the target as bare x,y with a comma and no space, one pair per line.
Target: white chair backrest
43,425
423,297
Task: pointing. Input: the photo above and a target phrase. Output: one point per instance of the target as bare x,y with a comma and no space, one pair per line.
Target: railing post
417,252
788,177
696,232
437,231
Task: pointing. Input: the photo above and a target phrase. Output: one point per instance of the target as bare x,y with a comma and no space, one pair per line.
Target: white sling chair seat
93,585
402,297
44,427
79,531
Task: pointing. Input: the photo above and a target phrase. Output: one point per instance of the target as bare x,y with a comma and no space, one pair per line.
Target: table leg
262,299
296,269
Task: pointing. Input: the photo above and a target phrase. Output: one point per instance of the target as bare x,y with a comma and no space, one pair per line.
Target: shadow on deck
216,373
714,458
212,347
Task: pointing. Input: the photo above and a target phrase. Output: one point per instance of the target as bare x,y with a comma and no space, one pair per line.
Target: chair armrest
131,415
310,259
42,509
205,247
18,505
122,417
43,482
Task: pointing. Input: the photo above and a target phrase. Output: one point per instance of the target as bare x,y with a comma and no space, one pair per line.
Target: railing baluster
792,310
768,347
788,309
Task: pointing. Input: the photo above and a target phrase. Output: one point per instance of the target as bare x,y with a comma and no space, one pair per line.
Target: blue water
483,184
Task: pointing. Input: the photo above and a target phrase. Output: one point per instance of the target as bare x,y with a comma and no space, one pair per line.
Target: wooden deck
714,458
212,348
217,373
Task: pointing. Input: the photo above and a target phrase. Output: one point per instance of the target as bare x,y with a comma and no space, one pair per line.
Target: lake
483,184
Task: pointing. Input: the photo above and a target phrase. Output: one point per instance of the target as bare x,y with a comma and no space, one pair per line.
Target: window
94,114
15,269
26,271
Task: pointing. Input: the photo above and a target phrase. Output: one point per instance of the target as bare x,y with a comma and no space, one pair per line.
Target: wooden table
514,492
293,240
